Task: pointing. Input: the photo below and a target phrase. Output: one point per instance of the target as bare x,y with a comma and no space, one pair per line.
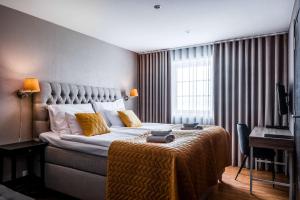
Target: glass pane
202,73
185,88
185,103
179,89
202,88
179,104
185,74
179,74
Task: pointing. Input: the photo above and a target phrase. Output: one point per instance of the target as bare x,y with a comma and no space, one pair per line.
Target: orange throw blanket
182,169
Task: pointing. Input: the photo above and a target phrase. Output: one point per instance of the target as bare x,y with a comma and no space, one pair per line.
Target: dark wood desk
257,139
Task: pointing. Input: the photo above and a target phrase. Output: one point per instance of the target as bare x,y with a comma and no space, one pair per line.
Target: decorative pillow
92,124
115,105
57,113
113,118
129,118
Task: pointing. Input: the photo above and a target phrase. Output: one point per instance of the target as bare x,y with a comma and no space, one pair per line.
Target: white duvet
101,140
99,144
117,133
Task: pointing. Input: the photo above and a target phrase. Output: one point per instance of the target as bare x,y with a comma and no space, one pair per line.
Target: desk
257,139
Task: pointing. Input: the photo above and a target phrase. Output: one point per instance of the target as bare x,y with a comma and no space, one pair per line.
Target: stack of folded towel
192,126
161,137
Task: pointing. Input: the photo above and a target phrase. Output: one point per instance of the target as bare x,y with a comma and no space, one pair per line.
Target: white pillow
114,106
57,113
74,126
113,118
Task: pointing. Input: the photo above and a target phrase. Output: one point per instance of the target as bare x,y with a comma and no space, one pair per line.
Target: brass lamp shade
31,85
134,92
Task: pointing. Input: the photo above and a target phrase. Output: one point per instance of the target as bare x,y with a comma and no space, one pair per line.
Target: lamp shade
134,92
31,85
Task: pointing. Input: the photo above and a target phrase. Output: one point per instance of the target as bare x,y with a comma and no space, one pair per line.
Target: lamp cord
21,122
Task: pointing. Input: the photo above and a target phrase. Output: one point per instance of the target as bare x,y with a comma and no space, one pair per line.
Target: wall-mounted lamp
30,85
133,93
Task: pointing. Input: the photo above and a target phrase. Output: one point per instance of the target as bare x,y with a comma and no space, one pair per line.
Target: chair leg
273,171
243,163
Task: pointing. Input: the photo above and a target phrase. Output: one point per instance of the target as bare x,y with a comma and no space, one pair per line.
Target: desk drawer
272,143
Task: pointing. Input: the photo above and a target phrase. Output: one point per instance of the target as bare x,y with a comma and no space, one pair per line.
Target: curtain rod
217,42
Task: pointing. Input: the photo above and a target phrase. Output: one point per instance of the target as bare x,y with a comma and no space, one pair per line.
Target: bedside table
28,149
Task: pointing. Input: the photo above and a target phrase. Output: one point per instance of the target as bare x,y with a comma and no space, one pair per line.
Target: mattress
54,140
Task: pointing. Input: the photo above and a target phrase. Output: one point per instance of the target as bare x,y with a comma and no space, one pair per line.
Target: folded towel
161,133
192,125
160,139
192,128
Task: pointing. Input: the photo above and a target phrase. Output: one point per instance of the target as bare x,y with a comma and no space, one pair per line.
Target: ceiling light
157,6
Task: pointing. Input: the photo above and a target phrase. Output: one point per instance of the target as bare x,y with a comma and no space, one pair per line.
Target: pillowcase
57,117
92,124
75,128
113,118
115,105
129,118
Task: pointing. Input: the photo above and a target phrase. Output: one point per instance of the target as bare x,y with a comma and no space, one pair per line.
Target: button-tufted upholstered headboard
65,93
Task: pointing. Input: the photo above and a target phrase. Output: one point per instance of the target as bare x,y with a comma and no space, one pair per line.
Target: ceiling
137,26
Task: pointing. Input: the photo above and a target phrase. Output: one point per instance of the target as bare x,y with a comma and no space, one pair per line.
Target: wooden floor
239,189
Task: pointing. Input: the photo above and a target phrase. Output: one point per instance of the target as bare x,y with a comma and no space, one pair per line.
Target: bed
78,166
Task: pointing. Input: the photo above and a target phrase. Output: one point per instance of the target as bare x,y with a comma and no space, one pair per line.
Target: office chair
262,153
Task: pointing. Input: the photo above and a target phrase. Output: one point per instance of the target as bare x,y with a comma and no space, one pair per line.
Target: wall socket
24,173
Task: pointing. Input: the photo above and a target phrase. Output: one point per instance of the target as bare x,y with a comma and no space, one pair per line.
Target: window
192,90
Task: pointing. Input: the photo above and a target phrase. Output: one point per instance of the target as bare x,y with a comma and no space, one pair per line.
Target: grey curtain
154,81
245,74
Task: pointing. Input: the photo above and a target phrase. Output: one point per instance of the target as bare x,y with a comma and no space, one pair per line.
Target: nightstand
29,150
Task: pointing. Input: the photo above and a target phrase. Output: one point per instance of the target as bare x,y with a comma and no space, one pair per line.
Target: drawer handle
295,116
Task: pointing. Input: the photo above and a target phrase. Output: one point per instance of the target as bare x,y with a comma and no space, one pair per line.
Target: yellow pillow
129,119
92,123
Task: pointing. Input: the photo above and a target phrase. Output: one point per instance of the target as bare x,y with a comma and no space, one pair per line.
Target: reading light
30,85
134,92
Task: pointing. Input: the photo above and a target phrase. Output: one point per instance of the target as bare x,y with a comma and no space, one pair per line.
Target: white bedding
54,139
101,140
99,144
146,127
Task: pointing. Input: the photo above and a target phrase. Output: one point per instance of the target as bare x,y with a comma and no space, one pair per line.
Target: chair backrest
243,134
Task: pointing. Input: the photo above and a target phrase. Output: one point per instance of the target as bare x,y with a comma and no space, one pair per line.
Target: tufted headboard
65,93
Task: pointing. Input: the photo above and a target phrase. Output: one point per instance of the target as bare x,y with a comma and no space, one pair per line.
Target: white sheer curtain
192,85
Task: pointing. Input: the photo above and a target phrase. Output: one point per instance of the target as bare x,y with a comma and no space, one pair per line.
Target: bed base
75,183
84,185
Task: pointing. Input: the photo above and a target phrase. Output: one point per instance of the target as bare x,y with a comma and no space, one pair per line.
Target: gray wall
31,47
